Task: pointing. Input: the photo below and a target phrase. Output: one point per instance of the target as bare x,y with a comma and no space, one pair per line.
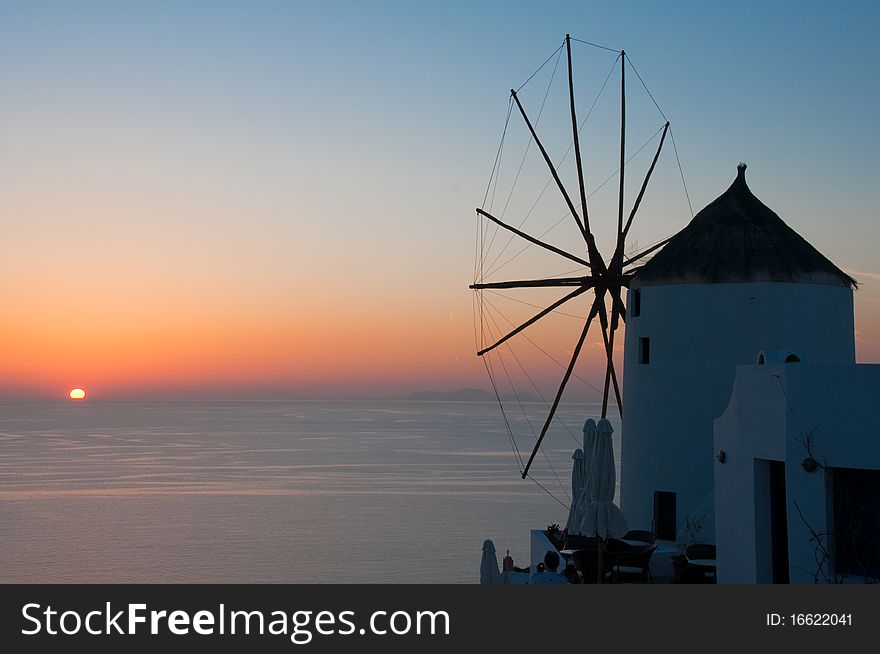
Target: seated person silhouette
549,575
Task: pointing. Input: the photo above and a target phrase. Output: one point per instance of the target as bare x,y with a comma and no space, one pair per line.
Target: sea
276,491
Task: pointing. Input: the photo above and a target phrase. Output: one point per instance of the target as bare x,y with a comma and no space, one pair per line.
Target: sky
240,199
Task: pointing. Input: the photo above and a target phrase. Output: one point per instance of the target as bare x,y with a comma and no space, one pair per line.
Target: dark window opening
644,349
761,359
637,302
856,526
664,515
778,524
792,358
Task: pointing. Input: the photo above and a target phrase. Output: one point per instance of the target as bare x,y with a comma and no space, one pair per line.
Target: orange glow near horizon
125,350
251,342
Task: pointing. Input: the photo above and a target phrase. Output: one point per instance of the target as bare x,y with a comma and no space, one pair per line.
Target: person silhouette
548,574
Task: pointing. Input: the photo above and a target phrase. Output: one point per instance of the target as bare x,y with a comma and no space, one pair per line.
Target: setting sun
77,394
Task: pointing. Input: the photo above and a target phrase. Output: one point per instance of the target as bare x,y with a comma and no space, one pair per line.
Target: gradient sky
214,198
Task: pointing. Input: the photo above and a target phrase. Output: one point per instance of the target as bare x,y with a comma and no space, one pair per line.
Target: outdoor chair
578,542
700,551
696,572
586,562
632,564
641,535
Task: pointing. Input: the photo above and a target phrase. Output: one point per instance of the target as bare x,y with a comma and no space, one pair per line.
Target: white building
735,281
797,475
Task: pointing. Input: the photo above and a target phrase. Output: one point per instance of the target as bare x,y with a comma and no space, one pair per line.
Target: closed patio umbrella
489,573
589,448
578,479
602,517
581,498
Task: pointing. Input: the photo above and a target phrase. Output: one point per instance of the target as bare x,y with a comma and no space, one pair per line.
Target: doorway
778,524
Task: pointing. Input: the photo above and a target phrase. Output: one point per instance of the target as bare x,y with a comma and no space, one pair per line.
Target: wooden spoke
610,373
536,318
552,282
619,246
532,239
592,251
568,371
619,308
618,312
638,201
552,167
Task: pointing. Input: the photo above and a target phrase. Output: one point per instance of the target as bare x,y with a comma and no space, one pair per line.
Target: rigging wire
546,61
504,414
478,249
632,156
523,409
531,138
547,354
580,269
681,172
512,439
645,86
526,152
536,306
490,369
595,45
534,386
558,164
671,135
475,325
490,372
498,153
543,488
480,293
492,271
497,175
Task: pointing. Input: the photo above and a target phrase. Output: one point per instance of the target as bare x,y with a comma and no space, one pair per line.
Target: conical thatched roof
737,238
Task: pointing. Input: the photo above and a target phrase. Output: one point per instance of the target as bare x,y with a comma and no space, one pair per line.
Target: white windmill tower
735,283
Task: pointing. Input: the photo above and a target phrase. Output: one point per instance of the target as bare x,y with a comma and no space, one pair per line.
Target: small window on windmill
664,515
644,349
637,302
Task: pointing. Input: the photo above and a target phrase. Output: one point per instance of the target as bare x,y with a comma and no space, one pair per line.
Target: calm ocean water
275,491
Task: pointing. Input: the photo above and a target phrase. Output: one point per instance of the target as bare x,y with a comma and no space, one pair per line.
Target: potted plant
554,535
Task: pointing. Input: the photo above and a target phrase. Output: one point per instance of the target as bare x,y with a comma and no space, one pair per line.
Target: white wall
756,411
699,333
540,545
838,403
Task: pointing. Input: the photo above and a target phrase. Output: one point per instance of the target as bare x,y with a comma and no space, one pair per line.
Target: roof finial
741,170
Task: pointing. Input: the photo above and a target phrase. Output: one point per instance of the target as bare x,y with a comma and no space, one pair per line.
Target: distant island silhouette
467,395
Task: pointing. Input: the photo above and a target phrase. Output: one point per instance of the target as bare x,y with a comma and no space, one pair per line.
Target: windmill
606,278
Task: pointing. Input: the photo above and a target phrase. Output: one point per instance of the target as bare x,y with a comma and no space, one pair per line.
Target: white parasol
601,516
578,481
489,573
